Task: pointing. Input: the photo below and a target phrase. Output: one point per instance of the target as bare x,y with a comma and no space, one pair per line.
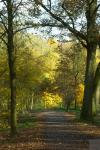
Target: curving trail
55,131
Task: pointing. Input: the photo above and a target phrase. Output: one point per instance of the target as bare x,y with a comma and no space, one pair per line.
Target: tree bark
86,113
96,92
12,72
92,34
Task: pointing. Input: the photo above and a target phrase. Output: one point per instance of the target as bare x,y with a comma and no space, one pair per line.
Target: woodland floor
54,131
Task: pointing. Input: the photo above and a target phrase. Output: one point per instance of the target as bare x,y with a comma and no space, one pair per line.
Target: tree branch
17,7
37,25
74,31
3,24
4,2
2,37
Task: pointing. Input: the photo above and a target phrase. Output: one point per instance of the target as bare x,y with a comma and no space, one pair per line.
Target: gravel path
55,131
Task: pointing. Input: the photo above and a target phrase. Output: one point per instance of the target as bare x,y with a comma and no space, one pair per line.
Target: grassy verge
95,121
24,122
27,122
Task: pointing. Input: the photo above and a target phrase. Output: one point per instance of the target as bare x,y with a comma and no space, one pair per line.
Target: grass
95,121
24,122
27,122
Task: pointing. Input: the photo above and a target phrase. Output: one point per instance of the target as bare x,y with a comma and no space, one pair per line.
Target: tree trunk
75,80
75,107
12,72
96,92
86,113
92,34
13,96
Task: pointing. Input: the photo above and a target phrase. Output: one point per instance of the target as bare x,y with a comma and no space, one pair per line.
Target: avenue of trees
86,30
48,72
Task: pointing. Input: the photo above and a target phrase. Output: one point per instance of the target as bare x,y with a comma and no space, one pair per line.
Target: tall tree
11,60
70,71
8,15
67,15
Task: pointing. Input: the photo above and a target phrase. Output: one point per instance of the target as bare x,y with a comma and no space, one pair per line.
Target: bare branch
17,7
82,42
2,35
3,24
4,2
97,8
37,25
74,31
1,14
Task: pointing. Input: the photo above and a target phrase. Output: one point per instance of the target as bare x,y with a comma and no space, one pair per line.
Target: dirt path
55,131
